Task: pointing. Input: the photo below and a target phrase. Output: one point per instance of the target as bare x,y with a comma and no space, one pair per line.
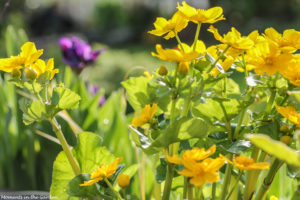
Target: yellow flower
40,67
29,54
245,163
233,38
292,73
147,113
290,113
123,180
267,58
9,64
210,16
289,41
200,173
171,27
195,154
103,171
174,55
200,47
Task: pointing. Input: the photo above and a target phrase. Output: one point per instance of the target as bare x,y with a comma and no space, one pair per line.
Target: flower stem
65,146
227,178
213,191
196,36
168,182
239,124
190,191
112,188
235,185
262,192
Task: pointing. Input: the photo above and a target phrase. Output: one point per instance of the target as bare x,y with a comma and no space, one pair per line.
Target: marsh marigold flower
210,16
170,27
41,67
267,58
174,55
290,113
29,54
146,115
245,163
199,172
292,73
273,197
233,39
289,41
123,180
205,171
103,171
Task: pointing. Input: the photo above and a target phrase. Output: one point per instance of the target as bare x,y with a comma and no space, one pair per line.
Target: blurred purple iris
78,53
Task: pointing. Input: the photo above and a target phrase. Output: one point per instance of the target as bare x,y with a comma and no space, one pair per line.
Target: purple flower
78,53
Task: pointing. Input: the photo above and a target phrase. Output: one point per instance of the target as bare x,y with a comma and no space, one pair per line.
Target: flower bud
286,139
163,71
123,180
285,128
16,73
30,74
183,68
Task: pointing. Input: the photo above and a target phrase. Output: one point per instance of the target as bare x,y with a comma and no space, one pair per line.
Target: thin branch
6,5
47,136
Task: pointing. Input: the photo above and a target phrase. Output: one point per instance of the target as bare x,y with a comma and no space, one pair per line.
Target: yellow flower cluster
266,53
28,59
199,172
207,169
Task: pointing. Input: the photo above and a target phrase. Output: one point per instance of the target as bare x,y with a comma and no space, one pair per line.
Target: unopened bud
16,73
286,139
123,180
30,73
162,70
285,128
183,68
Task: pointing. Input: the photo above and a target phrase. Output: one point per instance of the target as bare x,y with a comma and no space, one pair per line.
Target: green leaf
35,111
212,110
137,92
89,155
275,148
182,129
67,98
235,147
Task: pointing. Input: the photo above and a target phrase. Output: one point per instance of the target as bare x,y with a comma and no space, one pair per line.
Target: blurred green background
121,27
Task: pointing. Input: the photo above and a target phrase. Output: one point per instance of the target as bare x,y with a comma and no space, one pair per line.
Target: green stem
227,178
124,194
196,36
179,41
213,191
270,104
190,192
239,124
227,121
262,192
185,186
251,177
168,182
216,61
113,189
65,146
235,185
